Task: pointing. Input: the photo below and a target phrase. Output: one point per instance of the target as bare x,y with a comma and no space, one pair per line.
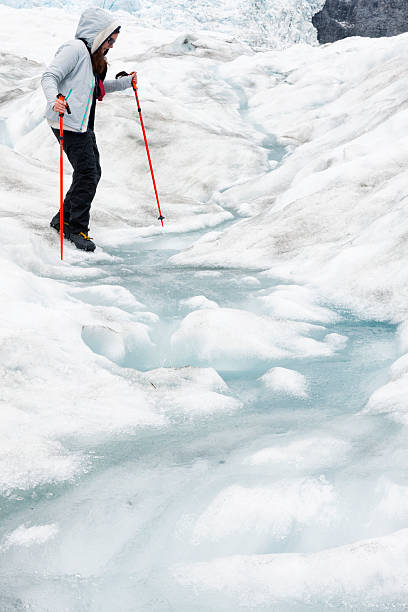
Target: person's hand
134,76
60,106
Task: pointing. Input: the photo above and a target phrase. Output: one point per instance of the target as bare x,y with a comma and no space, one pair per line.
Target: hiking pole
61,116
120,74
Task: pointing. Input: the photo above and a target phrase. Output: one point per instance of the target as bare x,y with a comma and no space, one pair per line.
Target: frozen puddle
260,474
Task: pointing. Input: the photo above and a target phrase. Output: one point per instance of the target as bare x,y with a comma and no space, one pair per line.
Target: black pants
83,155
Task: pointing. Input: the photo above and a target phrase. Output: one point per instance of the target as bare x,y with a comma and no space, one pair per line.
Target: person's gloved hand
60,106
123,74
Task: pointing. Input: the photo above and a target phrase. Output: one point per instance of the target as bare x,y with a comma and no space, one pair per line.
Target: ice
115,344
234,339
317,453
203,47
373,572
403,336
33,460
191,391
27,536
297,303
400,367
198,302
390,399
207,378
272,23
210,415
330,206
251,517
283,380
108,295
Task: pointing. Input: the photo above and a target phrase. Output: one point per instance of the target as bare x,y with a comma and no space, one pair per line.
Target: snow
209,416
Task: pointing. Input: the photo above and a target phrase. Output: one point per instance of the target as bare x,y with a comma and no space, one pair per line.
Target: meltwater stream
287,465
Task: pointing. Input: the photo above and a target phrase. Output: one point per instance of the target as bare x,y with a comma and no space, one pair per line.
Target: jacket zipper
86,110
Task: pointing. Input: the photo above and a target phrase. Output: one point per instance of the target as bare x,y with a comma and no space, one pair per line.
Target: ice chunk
232,339
206,378
28,536
283,380
244,514
108,295
194,402
403,336
315,452
297,303
400,367
251,281
371,572
394,500
105,341
130,343
391,399
203,46
192,391
31,459
198,302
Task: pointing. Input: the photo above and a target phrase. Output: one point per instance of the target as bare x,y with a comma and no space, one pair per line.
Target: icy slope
334,212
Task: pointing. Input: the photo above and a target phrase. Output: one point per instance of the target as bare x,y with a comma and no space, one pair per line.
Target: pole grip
61,96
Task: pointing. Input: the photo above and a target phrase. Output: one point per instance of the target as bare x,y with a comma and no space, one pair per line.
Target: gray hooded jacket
71,74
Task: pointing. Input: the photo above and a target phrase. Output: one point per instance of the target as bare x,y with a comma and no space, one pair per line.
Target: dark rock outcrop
374,18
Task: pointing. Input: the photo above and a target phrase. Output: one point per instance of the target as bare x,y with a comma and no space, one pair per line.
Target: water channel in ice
286,466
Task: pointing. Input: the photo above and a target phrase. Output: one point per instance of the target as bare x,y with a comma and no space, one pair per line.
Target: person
78,72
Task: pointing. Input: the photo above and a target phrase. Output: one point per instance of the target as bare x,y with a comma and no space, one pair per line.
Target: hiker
78,73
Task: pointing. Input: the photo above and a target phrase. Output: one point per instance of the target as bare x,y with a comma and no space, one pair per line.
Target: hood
95,26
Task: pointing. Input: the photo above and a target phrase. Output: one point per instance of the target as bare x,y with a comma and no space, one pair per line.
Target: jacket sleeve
118,84
63,63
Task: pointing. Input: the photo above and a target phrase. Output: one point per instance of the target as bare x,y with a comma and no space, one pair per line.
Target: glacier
209,417
262,23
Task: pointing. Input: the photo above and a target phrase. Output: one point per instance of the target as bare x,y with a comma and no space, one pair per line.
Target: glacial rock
374,18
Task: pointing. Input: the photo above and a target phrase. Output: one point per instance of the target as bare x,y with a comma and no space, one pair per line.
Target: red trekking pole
61,116
120,74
